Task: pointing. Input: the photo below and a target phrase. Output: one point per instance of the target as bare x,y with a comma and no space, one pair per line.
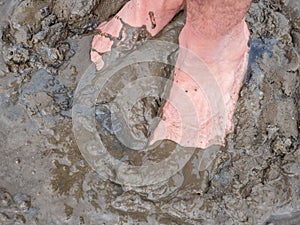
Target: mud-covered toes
136,13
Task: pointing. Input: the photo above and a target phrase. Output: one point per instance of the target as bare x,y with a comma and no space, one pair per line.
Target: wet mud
254,179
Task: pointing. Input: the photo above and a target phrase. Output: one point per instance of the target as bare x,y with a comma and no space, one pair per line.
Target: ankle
230,46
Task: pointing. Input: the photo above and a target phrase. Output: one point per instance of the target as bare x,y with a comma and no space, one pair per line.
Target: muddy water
45,179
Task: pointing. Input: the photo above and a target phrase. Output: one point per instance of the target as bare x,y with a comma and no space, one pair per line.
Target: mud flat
254,179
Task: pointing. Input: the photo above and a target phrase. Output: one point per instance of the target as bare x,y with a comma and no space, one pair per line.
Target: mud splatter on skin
254,176
152,18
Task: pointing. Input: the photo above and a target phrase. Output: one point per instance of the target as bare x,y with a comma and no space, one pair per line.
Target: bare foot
154,14
215,38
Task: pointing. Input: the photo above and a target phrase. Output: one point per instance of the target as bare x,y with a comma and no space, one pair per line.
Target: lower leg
214,19
221,29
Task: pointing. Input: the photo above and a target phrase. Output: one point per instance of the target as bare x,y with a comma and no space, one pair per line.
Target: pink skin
216,33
